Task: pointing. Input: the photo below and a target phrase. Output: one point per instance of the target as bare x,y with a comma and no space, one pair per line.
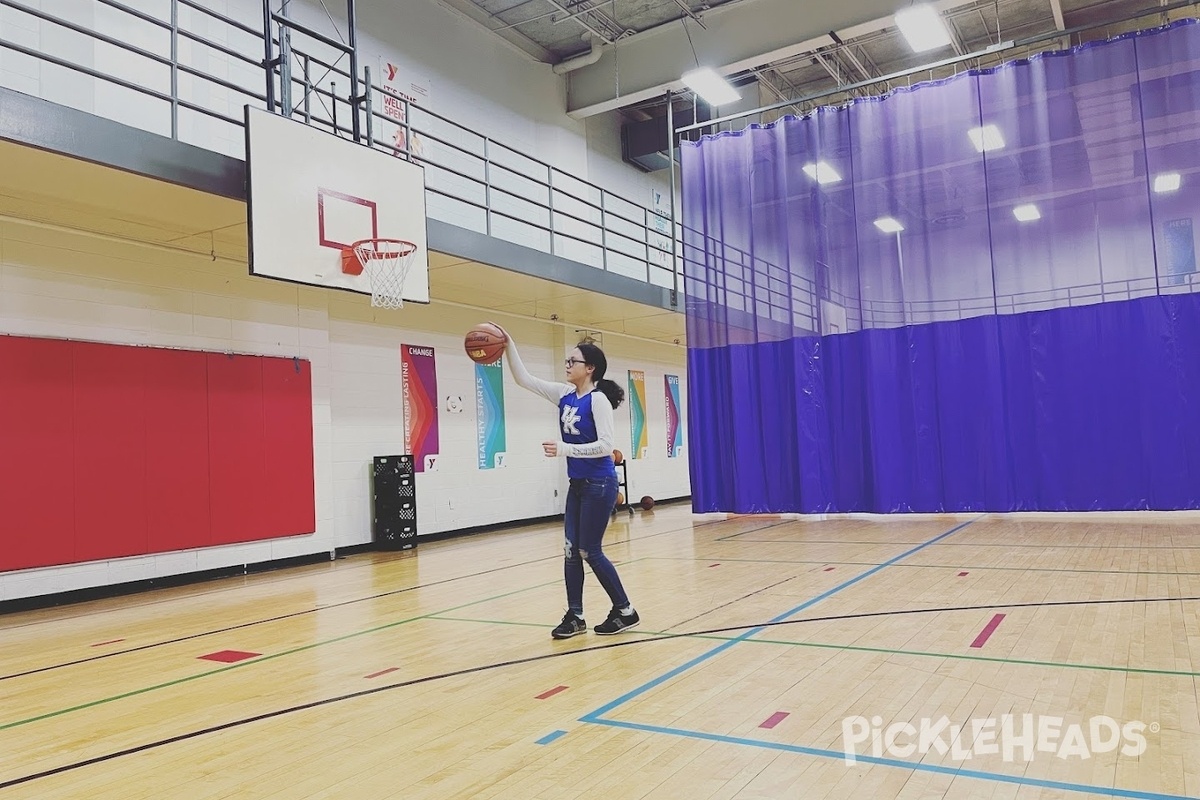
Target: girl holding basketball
585,412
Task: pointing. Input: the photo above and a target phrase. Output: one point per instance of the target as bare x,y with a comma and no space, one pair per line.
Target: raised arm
548,389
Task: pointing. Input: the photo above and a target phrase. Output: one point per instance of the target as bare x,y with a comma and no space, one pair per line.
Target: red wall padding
37,434
178,513
237,454
110,451
287,391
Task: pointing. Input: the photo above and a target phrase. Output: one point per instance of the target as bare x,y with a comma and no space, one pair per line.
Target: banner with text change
419,380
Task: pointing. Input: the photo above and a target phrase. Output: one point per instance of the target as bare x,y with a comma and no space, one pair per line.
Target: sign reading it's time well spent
637,413
674,424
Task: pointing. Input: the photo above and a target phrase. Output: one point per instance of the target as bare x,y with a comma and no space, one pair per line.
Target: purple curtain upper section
1065,179
979,294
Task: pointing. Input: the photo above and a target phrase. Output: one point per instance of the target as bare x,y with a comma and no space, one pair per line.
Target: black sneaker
617,622
571,625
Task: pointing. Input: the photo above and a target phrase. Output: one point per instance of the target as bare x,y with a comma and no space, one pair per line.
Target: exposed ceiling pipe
580,61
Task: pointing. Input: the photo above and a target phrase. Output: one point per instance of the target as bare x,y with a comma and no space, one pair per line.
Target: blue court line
595,717
1109,791
550,737
625,698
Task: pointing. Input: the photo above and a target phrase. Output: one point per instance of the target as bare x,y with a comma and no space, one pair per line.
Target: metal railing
753,294
472,180
188,71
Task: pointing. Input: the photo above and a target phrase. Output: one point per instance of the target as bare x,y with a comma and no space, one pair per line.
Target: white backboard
312,193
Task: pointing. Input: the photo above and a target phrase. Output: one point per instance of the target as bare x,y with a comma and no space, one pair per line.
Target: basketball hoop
386,262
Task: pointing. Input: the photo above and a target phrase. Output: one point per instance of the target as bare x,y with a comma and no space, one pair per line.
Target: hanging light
712,88
922,27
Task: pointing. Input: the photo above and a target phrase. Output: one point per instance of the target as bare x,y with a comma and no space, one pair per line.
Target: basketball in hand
485,343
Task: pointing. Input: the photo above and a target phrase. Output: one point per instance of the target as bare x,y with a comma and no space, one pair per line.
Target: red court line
381,672
830,569
710,566
552,692
774,719
962,574
229,656
111,641
987,631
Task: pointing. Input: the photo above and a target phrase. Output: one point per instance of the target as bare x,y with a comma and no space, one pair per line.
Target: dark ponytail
614,393
594,357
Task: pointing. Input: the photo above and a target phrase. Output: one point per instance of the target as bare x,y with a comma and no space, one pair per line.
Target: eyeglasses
570,362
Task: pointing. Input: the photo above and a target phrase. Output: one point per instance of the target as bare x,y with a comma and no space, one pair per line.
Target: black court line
294,614
1008,545
905,565
546,656
738,600
208,586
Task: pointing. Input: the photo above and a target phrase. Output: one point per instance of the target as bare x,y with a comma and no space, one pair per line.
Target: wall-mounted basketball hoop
386,262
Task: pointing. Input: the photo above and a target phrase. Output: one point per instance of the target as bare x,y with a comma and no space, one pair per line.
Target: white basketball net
386,262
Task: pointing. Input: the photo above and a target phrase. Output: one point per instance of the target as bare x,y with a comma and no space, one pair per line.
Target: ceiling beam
515,39
1056,10
737,37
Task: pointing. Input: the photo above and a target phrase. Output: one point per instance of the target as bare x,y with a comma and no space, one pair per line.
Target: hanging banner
1180,256
419,380
659,236
637,413
489,415
402,91
674,425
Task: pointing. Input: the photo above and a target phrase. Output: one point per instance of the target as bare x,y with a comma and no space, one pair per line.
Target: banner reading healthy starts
489,415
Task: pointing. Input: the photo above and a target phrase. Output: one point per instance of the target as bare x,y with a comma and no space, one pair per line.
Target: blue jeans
590,503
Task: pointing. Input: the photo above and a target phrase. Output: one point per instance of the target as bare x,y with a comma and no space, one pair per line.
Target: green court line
293,651
302,648
878,650
920,566
248,662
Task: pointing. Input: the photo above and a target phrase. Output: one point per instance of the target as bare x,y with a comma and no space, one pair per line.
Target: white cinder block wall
475,79
74,286
78,286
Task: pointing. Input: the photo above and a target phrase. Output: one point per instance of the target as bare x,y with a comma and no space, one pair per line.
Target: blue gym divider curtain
979,294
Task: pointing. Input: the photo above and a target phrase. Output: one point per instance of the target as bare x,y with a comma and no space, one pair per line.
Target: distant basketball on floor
647,503
618,456
485,343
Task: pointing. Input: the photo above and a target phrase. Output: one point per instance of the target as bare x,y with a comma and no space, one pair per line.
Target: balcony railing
186,71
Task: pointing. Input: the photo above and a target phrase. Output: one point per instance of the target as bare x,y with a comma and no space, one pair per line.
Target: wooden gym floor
768,648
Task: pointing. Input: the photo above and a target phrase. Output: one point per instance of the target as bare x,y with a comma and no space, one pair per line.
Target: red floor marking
987,631
829,569
552,692
710,566
774,719
112,641
962,574
230,656
381,672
